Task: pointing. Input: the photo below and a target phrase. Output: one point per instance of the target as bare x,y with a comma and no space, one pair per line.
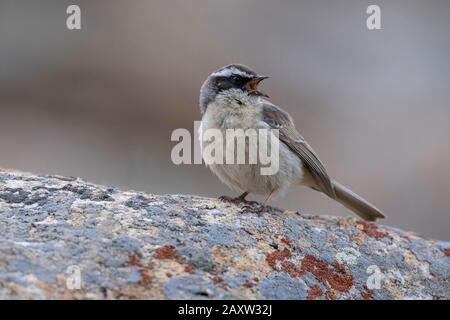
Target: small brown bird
230,99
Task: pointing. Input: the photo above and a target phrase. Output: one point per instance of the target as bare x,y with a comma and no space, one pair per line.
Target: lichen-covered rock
66,238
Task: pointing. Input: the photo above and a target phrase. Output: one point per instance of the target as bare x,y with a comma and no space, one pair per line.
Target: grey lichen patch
125,244
193,287
282,286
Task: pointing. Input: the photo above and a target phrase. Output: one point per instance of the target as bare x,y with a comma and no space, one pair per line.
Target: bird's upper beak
252,86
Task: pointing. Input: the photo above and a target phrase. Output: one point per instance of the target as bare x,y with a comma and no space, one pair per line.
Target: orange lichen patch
330,295
367,294
341,283
166,252
135,261
314,292
168,275
275,256
169,252
217,280
371,230
189,269
248,284
286,241
290,268
446,251
339,267
333,276
359,239
146,279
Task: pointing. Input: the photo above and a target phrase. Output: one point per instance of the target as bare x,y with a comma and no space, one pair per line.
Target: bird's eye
236,79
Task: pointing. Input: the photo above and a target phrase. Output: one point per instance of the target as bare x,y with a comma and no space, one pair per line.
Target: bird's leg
260,208
269,197
264,207
234,200
237,200
241,198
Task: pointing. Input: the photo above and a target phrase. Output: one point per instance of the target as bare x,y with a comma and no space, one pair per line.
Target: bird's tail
355,203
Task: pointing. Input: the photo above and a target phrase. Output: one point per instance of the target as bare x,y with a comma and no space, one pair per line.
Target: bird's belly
249,176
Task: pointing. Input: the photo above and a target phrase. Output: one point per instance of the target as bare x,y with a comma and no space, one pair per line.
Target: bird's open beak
252,86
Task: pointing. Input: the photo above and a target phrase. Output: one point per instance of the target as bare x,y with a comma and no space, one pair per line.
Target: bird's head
231,78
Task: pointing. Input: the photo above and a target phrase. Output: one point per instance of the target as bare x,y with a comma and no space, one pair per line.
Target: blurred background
102,102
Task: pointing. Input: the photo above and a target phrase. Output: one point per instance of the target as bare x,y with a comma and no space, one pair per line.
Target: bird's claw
250,203
247,206
238,200
227,199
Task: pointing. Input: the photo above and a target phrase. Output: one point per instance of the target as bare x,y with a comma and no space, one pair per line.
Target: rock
67,238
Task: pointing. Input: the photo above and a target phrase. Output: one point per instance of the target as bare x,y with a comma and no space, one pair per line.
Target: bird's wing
277,118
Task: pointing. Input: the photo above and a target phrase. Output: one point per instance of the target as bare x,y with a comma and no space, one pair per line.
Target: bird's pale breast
225,115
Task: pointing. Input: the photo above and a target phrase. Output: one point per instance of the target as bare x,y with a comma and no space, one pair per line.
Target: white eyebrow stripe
229,71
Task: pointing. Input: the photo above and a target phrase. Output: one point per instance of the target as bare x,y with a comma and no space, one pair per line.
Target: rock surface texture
65,238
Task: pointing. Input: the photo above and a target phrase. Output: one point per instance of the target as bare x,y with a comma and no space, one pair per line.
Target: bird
230,99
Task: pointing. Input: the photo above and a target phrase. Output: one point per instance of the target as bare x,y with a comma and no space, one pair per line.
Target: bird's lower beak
252,86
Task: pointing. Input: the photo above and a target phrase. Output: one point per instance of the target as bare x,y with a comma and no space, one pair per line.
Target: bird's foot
250,203
230,199
239,200
247,206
